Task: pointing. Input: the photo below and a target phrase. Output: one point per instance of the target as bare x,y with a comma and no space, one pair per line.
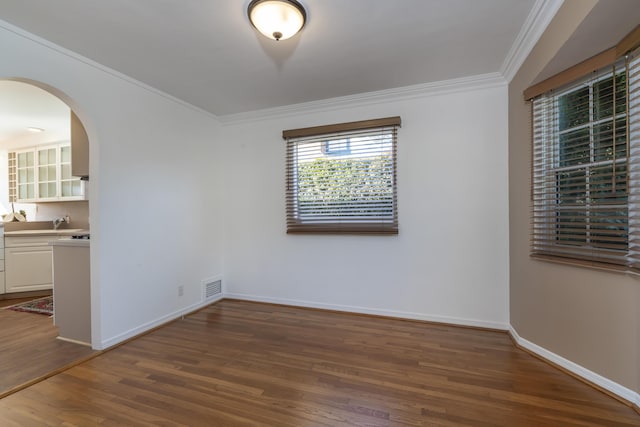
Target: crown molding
464,84
536,23
103,68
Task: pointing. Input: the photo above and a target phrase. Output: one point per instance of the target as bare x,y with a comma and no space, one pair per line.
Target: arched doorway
37,177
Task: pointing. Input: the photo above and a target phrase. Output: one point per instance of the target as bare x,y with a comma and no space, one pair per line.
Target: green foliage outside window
361,184
591,182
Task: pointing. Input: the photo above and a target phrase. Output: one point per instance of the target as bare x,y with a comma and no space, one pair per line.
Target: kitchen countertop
49,232
70,242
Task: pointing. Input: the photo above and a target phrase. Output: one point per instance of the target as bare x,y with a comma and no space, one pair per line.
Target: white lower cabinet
28,264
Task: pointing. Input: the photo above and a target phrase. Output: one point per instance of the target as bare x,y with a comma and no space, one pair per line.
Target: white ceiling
23,105
206,53
607,23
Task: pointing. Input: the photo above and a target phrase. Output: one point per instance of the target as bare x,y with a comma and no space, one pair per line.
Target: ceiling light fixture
32,129
277,19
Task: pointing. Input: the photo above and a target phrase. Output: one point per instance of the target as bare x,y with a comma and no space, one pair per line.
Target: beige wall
78,212
587,316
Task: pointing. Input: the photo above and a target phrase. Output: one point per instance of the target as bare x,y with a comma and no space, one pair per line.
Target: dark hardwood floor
29,349
247,364
9,302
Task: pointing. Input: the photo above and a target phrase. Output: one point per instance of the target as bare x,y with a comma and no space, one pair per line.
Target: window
342,178
585,152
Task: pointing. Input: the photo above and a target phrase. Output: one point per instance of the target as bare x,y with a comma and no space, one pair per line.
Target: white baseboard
373,311
155,323
605,383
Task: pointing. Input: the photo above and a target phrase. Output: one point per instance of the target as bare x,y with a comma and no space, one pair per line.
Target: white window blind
585,162
342,178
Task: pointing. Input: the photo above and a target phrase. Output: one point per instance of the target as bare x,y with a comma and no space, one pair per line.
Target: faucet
58,221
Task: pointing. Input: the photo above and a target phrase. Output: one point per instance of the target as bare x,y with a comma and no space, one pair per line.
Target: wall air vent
211,288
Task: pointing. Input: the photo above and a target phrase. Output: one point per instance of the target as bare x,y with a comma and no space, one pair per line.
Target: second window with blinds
341,178
585,148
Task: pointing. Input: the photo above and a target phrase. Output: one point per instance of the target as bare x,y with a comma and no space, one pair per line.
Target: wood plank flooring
9,302
13,301
247,364
29,349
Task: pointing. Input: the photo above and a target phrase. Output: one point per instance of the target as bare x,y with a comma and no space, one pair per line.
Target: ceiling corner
536,23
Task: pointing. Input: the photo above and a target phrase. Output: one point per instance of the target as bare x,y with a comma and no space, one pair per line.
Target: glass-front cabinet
47,172
70,186
43,174
26,173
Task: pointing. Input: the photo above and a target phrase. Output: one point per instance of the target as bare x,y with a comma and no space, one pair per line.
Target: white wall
155,187
450,260
168,185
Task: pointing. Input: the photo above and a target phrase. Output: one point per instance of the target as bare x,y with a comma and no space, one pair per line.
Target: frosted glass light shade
277,19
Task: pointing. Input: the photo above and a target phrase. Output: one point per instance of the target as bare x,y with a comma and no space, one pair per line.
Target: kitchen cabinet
79,148
11,163
28,263
70,186
26,175
43,174
47,177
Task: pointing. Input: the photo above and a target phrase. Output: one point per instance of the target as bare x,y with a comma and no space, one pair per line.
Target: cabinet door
26,175
71,187
47,173
28,269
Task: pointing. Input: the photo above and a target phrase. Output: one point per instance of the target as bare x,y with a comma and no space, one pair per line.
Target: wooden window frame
608,57
295,224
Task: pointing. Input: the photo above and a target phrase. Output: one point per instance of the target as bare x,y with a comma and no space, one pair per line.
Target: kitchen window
342,178
586,153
